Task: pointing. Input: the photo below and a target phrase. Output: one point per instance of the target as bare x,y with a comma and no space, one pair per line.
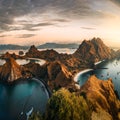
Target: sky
27,22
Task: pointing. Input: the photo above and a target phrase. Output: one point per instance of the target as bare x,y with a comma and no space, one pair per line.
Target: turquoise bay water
18,99
112,70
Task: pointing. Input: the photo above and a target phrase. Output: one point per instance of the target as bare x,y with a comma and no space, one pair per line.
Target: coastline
96,63
85,70
81,72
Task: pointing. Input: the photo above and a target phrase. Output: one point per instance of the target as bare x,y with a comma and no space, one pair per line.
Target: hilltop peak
32,51
32,48
97,40
10,70
93,50
94,40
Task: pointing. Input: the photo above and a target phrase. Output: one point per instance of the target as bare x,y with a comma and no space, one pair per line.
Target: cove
105,70
19,99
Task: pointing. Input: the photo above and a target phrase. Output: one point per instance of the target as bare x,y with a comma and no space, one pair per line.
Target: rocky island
59,71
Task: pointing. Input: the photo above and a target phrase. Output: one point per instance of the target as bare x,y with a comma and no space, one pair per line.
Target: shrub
64,105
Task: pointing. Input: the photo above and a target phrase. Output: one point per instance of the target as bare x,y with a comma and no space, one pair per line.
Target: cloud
88,28
1,36
74,9
29,26
60,20
42,24
34,27
26,35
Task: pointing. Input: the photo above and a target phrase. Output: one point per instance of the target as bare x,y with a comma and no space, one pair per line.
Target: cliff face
102,96
54,73
59,76
94,50
35,70
10,71
118,53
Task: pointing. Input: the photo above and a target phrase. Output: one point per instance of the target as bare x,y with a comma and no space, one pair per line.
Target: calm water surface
18,99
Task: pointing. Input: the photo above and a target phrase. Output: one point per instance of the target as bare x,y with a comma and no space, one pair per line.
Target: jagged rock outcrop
10,71
54,73
102,96
48,55
118,53
8,55
94,50
72,63
36,70
33,52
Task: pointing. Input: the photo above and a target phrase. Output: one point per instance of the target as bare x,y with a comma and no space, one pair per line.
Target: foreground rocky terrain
103,98
96,100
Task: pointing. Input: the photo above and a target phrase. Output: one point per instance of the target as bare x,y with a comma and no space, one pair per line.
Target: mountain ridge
89,52
42,46
94,50
58,45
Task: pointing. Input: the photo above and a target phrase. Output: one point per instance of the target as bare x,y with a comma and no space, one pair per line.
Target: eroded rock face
36,70
94,50
10,71
59,76
33,52
102,95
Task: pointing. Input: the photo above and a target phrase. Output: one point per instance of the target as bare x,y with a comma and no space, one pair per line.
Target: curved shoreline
86,70
81,72
96,63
